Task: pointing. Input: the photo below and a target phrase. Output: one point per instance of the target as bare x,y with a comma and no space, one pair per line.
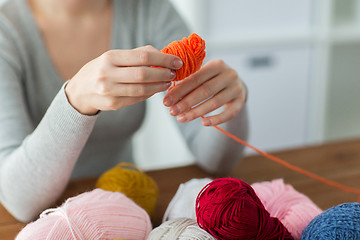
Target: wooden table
337,161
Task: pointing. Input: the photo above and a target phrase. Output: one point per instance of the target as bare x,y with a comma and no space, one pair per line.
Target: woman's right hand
119,78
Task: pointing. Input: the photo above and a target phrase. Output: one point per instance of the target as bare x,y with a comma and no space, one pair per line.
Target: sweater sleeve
213,151
35,161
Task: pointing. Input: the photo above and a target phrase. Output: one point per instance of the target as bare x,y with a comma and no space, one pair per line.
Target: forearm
33,175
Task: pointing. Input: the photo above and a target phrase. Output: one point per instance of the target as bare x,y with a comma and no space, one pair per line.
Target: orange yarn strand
292,167
191,50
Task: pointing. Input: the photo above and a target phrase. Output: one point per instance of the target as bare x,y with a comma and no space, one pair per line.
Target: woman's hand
119,78
213,86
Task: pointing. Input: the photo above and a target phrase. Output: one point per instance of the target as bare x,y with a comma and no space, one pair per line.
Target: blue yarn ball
339,222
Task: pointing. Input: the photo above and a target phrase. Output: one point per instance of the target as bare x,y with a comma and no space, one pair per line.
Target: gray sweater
44,141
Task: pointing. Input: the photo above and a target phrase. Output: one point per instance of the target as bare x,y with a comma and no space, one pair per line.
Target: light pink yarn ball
92,215
292,208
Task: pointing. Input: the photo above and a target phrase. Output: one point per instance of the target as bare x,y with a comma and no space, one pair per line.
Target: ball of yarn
179,228
339,222
191,50
97,214
183,203
229,209
293,209
132,182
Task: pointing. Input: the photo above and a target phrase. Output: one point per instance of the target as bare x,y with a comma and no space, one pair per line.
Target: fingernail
181,118
168,84
168,101
206,122
172,74
177,63
174,110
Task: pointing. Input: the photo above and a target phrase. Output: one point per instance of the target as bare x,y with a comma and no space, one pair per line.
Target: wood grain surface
337,161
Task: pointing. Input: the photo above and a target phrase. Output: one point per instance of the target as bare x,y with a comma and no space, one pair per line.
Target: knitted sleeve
35,161
213,151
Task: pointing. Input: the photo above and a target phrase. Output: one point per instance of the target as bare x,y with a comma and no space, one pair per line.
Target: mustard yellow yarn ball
131,181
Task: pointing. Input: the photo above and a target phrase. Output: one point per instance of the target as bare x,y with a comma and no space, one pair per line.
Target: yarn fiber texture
191,50
229,208
131,181
92,215
182,205
179,229
292,208
339,222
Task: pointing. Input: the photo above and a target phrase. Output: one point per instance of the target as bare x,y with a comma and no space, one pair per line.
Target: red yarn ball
229,209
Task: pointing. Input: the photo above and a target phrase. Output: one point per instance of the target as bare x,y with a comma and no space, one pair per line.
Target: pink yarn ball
293,209
97,214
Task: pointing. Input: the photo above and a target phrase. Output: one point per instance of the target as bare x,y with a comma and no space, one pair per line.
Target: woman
70,104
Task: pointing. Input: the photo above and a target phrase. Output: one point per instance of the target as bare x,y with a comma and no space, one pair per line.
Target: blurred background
300,60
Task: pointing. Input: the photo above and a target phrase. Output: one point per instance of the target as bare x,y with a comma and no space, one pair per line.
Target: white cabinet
278,82
343,104
260,18
299,58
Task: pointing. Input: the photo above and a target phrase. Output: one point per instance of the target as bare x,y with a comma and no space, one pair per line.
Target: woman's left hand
215,85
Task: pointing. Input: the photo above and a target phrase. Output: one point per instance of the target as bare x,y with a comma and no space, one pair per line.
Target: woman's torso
110,140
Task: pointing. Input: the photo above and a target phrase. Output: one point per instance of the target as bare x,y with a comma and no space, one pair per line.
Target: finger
133,89
141,74
184,87
232,109
143,56
225,96
200,94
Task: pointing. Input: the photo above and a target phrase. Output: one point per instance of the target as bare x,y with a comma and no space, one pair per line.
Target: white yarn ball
183,203
179,229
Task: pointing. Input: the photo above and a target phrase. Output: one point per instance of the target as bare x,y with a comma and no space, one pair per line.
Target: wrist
75,100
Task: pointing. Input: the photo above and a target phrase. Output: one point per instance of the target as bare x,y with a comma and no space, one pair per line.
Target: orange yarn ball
191,50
